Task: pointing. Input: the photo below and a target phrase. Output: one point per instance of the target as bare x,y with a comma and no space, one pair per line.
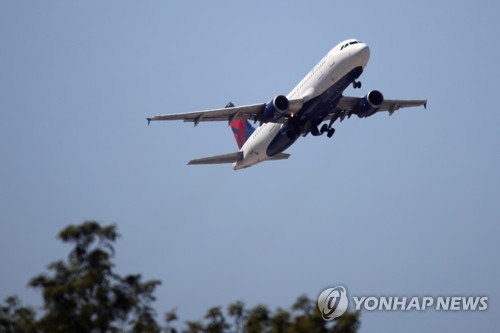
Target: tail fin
242,129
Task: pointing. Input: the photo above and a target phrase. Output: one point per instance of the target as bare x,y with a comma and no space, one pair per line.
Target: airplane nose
364,52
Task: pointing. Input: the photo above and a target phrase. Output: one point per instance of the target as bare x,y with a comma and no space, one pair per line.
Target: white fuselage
337,63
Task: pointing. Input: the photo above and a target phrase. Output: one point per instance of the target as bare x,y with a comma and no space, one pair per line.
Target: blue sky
403,205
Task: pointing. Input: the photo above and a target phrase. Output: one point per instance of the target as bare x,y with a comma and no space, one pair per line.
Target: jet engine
369,104
276,108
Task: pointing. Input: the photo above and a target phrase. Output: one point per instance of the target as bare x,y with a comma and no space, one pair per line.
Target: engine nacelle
369,104
276,108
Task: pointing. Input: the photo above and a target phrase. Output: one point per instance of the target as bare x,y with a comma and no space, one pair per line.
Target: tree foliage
15,318
237,311
304,317
84,294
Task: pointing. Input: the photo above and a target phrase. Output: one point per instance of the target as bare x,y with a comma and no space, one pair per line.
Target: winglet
425,105
149,120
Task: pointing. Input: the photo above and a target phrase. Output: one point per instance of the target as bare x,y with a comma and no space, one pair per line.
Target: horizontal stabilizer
280,156
219,159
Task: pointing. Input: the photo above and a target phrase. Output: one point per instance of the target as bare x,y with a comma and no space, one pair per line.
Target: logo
332,302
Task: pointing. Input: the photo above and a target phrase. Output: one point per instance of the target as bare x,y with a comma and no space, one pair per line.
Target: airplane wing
228,114
347,104
392,105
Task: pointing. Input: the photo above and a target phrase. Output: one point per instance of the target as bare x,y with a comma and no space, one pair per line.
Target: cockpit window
350,43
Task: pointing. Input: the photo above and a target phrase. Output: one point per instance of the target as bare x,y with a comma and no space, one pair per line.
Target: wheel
359,84
324,128
331,131
314,131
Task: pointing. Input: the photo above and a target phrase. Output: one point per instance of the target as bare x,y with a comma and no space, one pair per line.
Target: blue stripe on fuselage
313,111
321,106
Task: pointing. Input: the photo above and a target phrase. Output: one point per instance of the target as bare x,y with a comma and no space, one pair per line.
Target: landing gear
315,131
329,130
356,84
324,129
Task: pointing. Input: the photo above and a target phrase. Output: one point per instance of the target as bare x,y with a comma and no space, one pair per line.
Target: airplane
316,99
